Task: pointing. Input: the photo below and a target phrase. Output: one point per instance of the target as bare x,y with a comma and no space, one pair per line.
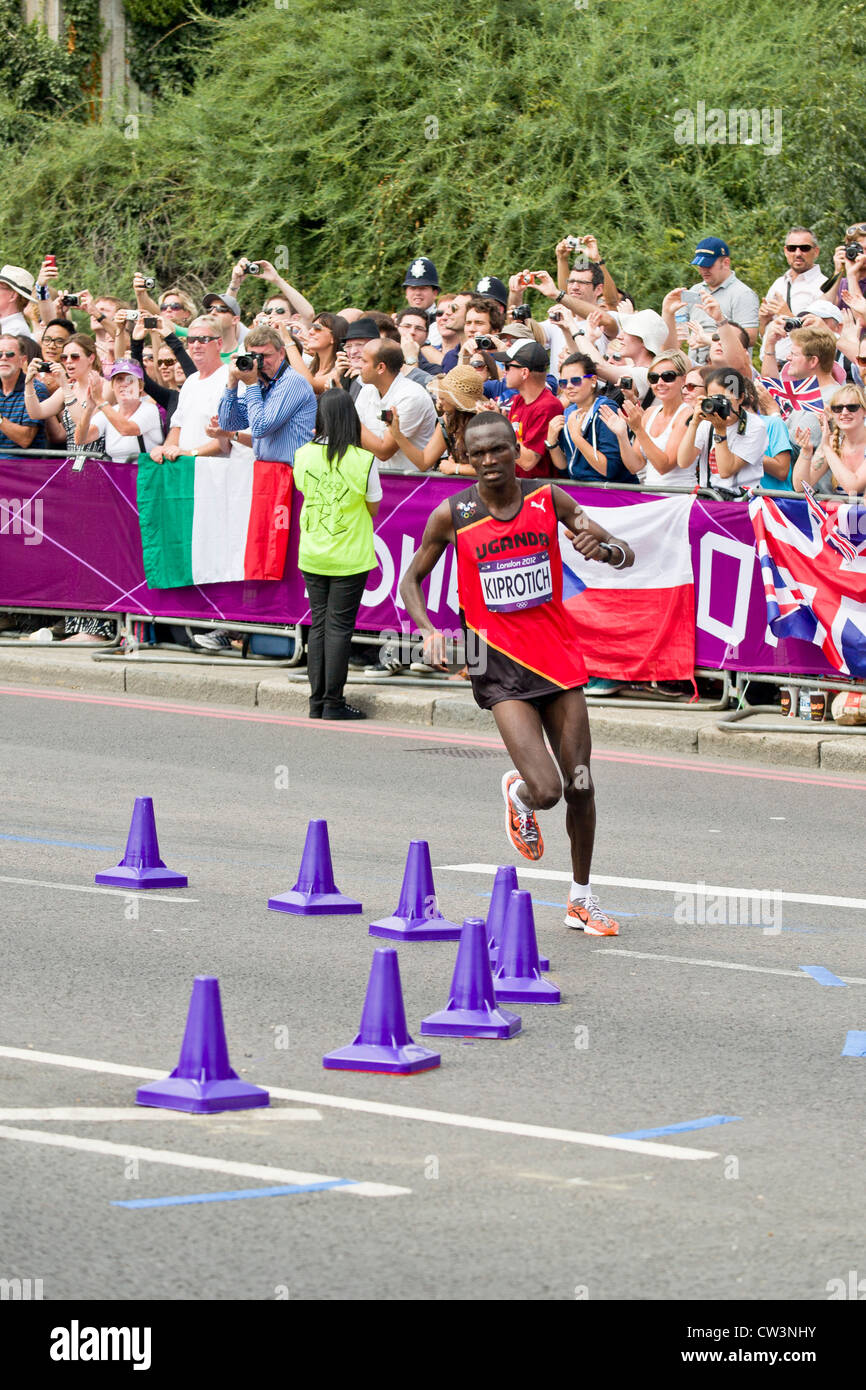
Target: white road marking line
404,1112
109,1114
197,1161
660,885
721,964
84,888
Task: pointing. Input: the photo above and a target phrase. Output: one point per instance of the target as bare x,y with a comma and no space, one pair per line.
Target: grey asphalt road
656,1028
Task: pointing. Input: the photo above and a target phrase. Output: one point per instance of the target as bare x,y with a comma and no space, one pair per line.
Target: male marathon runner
528,669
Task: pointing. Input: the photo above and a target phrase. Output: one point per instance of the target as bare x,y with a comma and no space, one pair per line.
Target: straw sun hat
461,387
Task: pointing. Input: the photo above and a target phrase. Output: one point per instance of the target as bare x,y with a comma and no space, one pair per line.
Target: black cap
422,271
362,330
491,288
531,355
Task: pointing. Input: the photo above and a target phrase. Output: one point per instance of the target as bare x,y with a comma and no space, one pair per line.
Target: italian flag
213,520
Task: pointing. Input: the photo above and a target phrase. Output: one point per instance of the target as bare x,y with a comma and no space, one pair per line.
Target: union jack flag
813,569
794,395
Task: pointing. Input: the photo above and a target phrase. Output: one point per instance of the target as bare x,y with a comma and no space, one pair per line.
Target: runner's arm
438,533
593,542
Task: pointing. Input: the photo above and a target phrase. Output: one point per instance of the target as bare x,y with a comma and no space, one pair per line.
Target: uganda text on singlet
509,577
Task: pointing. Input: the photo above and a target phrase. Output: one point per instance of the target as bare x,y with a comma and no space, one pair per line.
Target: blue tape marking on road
60,844
544,902
824,977
680,1128
235,1196
855,1044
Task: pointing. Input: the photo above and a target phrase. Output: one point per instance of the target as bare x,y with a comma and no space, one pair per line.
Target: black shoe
315,711
344,712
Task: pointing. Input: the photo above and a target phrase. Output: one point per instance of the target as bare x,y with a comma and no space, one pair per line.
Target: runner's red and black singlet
509,578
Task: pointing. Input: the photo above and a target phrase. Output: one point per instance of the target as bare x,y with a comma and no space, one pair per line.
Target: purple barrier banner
71,541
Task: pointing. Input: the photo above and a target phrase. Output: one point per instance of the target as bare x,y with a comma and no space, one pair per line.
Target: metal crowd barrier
125,648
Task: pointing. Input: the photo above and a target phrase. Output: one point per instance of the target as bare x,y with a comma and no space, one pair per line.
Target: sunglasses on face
575,380
693,386
172,309
653,377
846,405
195,338
8,354
163,361
277,309
798,246
478,363
71,357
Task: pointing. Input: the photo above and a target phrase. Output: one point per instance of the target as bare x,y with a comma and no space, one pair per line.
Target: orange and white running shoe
521,827
585,914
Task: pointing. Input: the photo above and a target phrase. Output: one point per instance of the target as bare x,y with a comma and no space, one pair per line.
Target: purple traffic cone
203,1081
383,1044
518,972
504,885
472,1010
141,866
315,892
417,916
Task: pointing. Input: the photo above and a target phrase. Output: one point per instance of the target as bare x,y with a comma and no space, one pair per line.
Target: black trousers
334,604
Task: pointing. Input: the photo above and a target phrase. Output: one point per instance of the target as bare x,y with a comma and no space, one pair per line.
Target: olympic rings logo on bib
514,584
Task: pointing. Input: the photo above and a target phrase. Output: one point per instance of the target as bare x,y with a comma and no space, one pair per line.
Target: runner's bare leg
520,726
566,723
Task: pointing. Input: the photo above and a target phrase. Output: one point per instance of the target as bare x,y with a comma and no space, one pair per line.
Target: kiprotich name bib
520,581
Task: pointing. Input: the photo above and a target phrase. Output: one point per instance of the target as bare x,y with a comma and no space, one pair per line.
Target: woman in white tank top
659,429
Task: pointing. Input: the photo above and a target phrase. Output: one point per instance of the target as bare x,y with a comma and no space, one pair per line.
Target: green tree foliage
476,131
166,37
41,80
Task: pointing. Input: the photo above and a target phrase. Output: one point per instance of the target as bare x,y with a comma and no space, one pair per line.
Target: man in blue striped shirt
18,430
278,406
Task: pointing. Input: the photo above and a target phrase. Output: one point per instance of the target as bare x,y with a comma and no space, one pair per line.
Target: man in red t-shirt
532,409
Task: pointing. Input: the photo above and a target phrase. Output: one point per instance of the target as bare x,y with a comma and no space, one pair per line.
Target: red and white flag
636,623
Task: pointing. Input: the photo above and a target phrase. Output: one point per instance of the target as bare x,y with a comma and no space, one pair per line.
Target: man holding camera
800,286
278,405
18,429
199,396
725,296
532,409
227,312
385,387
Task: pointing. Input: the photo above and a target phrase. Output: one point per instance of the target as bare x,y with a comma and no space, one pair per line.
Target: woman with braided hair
839,464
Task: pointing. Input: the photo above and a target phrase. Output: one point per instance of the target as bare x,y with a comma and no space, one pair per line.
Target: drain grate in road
458,750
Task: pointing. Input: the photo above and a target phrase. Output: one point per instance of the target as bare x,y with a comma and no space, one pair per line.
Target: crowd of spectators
715,387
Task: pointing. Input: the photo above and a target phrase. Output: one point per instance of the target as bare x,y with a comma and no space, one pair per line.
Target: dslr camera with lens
72,300
854,251
245,362
521,312
484,343
717,405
